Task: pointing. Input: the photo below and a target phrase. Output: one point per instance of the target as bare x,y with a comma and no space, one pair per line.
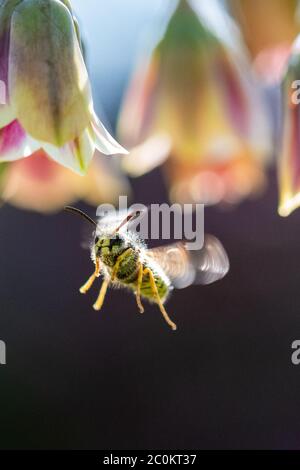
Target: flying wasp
123,260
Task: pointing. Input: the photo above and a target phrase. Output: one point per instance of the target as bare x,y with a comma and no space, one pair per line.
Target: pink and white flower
49,102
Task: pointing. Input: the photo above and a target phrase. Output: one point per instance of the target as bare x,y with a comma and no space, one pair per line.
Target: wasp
122,258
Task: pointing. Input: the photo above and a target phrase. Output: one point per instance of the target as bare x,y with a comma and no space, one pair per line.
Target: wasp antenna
82,214
130,217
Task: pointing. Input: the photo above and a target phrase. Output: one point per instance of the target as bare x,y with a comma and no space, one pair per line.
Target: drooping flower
289,161
48,95
269,28
40,184
195,108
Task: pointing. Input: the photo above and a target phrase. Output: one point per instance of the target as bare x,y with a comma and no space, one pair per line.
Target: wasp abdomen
161,284
128,273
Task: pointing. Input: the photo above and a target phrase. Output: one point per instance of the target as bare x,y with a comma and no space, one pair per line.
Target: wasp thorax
109,247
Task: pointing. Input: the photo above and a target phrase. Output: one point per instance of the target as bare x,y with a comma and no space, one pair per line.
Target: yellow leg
99,302
91,280
118,262
158,299
138,289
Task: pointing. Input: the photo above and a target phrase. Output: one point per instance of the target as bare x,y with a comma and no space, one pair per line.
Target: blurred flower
289,162
40,184
195,102
48,96
269,28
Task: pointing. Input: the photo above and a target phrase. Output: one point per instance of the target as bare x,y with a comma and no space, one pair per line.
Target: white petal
105,143
75,155
147,156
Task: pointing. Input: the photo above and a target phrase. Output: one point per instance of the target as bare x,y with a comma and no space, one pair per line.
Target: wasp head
109,248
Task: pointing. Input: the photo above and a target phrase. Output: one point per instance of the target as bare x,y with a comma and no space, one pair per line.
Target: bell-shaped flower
269,28
48,101
289,160
40,184
195,107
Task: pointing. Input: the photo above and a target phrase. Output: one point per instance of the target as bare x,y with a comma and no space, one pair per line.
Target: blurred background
77,379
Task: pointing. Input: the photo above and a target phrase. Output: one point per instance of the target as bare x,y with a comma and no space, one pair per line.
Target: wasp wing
185,267
174,260
211,262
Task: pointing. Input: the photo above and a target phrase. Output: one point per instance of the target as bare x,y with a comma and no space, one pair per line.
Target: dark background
77,379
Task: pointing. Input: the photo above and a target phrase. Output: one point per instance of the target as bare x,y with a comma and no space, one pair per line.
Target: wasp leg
118,262
158,299
99,302
91,280
138,289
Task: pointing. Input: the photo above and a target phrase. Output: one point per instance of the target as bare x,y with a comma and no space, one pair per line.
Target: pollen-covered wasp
123,260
